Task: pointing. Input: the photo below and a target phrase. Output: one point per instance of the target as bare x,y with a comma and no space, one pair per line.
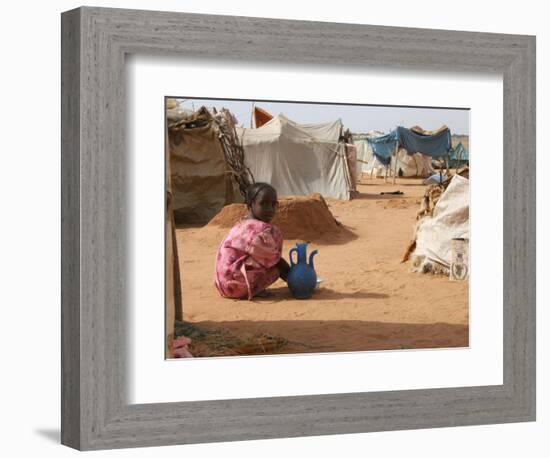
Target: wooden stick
395,164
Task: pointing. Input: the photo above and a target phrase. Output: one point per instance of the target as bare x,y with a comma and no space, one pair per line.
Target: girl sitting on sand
249,257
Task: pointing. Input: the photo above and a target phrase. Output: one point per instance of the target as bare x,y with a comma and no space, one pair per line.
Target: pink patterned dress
247,258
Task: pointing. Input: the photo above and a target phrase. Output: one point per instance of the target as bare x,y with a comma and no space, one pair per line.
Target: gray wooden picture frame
95,413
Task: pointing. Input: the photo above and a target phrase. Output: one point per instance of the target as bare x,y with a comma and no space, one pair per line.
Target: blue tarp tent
436,146
459,156
383,147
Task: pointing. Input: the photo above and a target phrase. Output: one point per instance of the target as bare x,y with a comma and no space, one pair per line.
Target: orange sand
367,300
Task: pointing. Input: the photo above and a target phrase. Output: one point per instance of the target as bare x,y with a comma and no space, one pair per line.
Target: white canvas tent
367,161
450,219
412,165
298,159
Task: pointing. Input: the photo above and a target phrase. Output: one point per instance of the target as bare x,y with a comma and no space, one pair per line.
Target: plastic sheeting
298,159
450,219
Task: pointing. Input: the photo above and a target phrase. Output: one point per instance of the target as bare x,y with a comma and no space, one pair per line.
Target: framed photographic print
205,158
333,177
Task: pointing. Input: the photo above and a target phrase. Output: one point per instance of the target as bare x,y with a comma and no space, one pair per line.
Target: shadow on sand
312,336
281,293
365,196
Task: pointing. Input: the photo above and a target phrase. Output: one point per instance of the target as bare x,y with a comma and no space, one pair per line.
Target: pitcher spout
313,253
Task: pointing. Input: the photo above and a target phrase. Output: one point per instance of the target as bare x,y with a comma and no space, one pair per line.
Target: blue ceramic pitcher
302,278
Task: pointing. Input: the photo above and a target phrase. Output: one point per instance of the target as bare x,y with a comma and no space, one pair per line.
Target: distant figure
249,257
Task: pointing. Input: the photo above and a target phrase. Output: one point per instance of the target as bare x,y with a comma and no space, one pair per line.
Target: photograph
300,227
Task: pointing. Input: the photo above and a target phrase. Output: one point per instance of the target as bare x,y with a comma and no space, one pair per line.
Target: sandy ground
368,300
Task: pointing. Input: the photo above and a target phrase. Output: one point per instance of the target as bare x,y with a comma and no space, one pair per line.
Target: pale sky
357,118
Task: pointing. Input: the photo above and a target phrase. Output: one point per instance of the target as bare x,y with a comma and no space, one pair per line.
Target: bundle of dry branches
233,149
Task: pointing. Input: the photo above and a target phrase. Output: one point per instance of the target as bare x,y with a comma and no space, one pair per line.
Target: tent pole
395,164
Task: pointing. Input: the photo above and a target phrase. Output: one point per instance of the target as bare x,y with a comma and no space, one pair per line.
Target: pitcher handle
292,263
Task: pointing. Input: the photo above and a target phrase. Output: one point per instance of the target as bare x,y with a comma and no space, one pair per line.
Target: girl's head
261,200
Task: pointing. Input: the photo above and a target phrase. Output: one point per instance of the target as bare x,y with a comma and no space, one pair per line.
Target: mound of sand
303,218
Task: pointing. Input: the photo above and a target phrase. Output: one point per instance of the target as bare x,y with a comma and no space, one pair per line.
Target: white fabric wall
413,165
368,163
298,159
450,219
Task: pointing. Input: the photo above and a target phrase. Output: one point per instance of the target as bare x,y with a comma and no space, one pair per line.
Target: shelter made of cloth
367,162
450,219
383,146
435,145
459,156
201,180
299,159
